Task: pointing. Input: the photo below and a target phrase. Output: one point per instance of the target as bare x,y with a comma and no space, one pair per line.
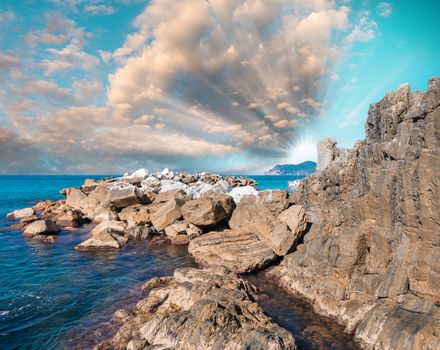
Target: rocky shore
360,240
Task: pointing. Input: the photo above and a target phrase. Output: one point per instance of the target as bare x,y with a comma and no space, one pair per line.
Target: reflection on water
311,331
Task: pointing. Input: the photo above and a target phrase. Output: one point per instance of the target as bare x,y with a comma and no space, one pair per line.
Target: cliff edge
371,258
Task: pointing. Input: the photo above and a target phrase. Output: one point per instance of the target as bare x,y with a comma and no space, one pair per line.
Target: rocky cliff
371,258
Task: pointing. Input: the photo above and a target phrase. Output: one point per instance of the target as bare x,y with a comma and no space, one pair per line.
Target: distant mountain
302,169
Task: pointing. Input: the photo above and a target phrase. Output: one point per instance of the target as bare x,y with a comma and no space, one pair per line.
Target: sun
303,148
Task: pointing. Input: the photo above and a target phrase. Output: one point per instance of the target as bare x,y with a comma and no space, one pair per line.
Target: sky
229,86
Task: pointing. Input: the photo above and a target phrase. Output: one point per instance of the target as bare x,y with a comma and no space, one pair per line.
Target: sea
54,297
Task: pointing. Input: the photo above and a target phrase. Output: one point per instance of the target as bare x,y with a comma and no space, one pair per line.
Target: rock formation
198,309
371,258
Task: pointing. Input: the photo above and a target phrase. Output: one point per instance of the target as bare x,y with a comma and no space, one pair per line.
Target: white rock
141,173
165,171
21,213
170,185
237,193
150,182
199,190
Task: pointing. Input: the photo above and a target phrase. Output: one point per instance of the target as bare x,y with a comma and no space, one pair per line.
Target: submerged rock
200,309
239,251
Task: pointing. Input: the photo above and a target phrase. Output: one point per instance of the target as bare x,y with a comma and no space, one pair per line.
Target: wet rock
239,251
21,213
208,210
107,239
211,309
41,227
369,260
112,224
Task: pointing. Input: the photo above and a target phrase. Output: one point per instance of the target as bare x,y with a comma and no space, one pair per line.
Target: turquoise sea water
51,294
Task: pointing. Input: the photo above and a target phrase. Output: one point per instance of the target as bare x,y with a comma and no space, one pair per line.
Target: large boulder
115,225
74,196
21,213
107,239
208,210
239,251
237,193
41,227
122,195
165,196
167,214
138,214
295,218
203,310
262,216
276,200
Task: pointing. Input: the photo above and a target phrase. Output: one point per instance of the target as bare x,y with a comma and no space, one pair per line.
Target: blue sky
92,86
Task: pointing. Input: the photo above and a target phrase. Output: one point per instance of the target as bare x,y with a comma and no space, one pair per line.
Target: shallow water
53,297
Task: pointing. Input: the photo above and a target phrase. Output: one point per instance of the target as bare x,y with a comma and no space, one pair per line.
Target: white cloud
384,9
100,9
364,30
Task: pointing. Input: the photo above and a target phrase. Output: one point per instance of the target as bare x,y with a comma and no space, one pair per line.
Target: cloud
8,60
100,9
364,30
194,83
70,57
384,9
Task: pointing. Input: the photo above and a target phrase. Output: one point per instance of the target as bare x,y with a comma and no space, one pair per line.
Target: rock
167,214
151,183
276,200
208,210
105,215
326,153
221,187
200,189
264,216
201,309
181,232
370,258
70,218
171,185
237,193
74,196
239,251
139,232
21,213
118,226
164,197
122,196
43,205
138,214
107,239
295,218
140,173
41,227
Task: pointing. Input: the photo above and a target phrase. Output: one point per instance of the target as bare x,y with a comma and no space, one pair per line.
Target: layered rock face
371,258
199,309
